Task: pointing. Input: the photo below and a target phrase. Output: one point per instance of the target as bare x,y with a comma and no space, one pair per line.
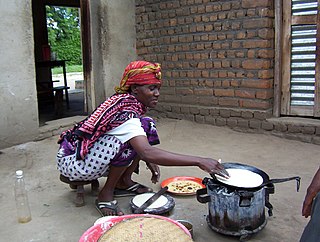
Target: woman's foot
134,189
109,208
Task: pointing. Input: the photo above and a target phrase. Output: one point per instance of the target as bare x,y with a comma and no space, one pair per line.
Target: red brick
225,63
228,102
265,53
221,54
225,83
209,8
209,83
240,54
266,33
251,54
217,64
257,23
209,65
208,27
235,83
205,74
208,101
197,73
255,3
256,104
265,74
256,64
203,92
240,13
264,94
241,35
205,37
222,15
245,93
224,92
222,74
266,12
214,74
236,44
225,6
236,26
251,34
217,83
184,91
252,44
263,84
251,12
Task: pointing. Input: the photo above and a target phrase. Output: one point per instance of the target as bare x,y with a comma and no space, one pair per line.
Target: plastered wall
18,104
112,26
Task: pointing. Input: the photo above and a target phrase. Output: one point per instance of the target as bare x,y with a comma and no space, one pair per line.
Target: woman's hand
155,170
213,166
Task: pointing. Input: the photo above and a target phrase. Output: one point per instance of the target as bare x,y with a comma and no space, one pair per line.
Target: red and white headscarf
140,73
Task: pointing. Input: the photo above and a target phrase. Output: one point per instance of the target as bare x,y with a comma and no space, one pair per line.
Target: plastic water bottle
21,197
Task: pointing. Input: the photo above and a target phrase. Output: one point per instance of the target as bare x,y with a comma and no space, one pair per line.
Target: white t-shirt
128,130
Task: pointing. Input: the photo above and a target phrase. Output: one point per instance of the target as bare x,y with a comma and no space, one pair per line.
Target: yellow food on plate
183,186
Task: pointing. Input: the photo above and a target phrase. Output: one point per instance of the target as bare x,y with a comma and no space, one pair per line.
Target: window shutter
300,92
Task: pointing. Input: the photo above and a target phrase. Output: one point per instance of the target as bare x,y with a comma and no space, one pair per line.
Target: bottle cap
19,173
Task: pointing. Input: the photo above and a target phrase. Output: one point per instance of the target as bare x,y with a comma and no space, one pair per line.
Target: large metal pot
238,211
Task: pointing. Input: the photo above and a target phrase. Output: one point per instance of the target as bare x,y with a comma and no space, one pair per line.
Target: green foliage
64,33
70,68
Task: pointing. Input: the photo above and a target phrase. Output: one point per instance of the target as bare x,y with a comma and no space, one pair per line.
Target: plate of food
183,185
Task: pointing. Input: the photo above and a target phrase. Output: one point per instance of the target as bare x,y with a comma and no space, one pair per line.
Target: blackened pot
238,211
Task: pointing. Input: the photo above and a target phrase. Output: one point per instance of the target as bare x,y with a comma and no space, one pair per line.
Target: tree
63,26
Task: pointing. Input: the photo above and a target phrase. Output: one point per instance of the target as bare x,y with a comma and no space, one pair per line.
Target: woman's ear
133,89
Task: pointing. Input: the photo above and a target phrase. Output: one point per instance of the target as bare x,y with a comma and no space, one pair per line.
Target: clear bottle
21,197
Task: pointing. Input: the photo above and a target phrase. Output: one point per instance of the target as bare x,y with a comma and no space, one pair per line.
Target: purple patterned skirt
106,151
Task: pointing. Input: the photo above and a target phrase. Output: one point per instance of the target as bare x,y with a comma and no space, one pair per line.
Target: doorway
61,92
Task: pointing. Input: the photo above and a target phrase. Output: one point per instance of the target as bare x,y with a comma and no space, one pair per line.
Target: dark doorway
62,95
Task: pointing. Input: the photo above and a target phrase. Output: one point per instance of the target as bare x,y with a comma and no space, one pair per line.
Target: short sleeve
128,130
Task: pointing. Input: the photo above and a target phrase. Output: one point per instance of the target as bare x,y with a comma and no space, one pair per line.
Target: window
300,74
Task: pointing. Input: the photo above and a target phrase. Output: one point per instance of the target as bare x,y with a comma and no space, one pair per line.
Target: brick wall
217,59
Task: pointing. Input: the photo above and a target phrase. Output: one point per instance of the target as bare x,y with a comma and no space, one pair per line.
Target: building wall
119,38
113,47
113,44
218,62
18,99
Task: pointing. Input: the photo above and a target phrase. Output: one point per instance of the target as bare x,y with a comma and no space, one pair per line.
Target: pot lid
162,205
138,200
241,178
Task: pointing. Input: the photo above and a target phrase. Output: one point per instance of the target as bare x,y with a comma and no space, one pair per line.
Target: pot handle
271,181
202,196
245,198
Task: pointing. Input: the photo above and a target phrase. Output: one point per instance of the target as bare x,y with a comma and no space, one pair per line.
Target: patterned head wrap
140,73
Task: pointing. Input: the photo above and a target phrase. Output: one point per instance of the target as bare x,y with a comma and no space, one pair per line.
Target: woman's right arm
165,158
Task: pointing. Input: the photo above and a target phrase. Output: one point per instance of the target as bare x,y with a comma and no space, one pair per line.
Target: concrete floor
55,218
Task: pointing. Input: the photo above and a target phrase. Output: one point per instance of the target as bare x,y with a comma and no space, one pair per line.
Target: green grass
75,68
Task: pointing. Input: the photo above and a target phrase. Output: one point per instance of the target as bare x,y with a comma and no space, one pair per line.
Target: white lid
140,199
19,173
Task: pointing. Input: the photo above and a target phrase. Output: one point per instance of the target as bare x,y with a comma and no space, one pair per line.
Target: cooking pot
238,211
265,178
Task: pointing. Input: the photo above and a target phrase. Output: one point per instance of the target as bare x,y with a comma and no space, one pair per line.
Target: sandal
112,206
131,191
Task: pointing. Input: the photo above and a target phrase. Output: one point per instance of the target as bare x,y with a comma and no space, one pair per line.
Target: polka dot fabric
96,162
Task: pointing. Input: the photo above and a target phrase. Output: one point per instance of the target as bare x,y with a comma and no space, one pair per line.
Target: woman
311,207
91,148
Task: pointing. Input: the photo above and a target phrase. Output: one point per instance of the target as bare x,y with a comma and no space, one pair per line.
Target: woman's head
139,73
